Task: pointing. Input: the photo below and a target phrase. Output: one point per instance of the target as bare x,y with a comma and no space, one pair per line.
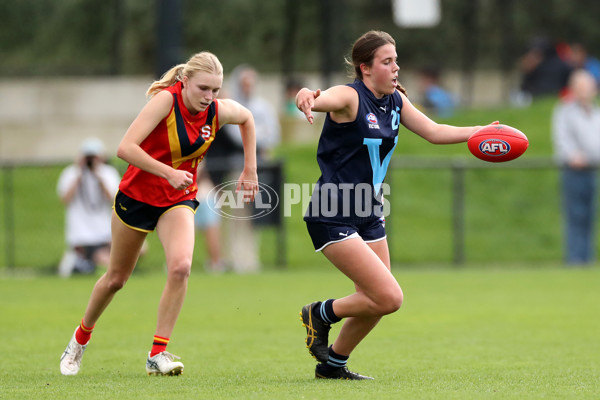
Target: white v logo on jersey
383,108
379,167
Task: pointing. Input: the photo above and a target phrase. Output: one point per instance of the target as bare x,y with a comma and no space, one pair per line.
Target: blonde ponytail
203,61
169,78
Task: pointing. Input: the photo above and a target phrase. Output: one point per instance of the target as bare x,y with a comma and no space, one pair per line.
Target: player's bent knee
396,302
390,302
180,269
115,284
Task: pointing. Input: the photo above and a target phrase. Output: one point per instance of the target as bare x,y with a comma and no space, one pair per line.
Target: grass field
472,333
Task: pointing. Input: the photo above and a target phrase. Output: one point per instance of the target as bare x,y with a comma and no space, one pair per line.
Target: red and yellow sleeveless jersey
180,140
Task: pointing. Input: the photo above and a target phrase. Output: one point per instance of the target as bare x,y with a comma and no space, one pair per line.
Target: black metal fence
460,183
25,223
477,198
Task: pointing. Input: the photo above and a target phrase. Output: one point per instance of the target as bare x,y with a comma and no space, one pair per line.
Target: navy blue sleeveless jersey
353,158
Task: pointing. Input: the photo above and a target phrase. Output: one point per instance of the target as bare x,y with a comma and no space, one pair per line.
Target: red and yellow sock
159,345
83,333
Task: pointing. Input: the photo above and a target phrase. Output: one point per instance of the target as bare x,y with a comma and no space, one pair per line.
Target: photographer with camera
87,188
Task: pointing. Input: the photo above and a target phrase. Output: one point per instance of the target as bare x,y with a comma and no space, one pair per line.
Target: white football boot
70,361
163,364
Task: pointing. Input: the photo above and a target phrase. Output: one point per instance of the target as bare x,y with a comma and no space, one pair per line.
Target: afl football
497,143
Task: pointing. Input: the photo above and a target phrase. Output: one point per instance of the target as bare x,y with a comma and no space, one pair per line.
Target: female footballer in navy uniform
163,147
345,215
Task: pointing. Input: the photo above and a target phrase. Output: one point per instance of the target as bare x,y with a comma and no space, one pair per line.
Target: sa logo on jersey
205,132
494,147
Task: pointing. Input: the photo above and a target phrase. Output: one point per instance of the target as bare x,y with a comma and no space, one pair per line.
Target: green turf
475,333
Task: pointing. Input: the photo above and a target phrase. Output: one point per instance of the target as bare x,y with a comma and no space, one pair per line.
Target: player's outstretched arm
340,100
419,123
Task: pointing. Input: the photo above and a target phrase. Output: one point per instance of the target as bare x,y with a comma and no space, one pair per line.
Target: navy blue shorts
325,233
141,216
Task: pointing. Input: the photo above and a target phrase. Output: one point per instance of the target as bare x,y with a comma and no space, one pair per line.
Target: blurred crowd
567,71
546,66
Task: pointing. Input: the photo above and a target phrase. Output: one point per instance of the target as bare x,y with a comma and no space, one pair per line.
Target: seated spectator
580,59
543,71
87,188
435,98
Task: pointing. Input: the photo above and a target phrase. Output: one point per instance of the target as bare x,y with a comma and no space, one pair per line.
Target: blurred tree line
120,37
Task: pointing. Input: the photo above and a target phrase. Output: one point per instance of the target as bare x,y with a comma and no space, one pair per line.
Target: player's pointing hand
305,101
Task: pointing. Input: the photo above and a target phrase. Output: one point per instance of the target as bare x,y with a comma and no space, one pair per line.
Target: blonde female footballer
163,147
